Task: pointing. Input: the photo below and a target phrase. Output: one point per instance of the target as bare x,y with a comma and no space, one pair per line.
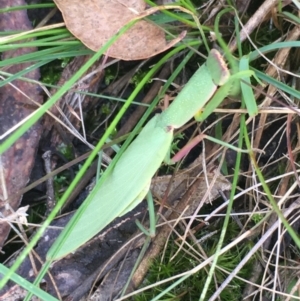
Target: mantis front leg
145,192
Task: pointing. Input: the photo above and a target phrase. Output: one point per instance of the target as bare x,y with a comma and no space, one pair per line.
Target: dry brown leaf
94,22
160,185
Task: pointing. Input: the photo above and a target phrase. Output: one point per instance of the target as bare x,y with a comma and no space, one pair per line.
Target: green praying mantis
129,181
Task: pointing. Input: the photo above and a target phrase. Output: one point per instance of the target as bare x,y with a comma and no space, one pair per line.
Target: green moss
191,288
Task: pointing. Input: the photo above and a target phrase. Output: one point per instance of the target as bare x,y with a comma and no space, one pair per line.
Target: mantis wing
123,185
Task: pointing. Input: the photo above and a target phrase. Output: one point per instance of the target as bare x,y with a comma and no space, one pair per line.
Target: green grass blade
272,81
27,285
291,16
247,91
272,47
23,72
47,54
31,6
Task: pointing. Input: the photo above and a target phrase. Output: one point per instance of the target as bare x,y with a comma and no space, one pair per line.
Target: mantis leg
149,234
152,217
140,197
186,149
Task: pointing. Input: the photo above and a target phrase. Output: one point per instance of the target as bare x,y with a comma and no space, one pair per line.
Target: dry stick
50,182
47,18
253,22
